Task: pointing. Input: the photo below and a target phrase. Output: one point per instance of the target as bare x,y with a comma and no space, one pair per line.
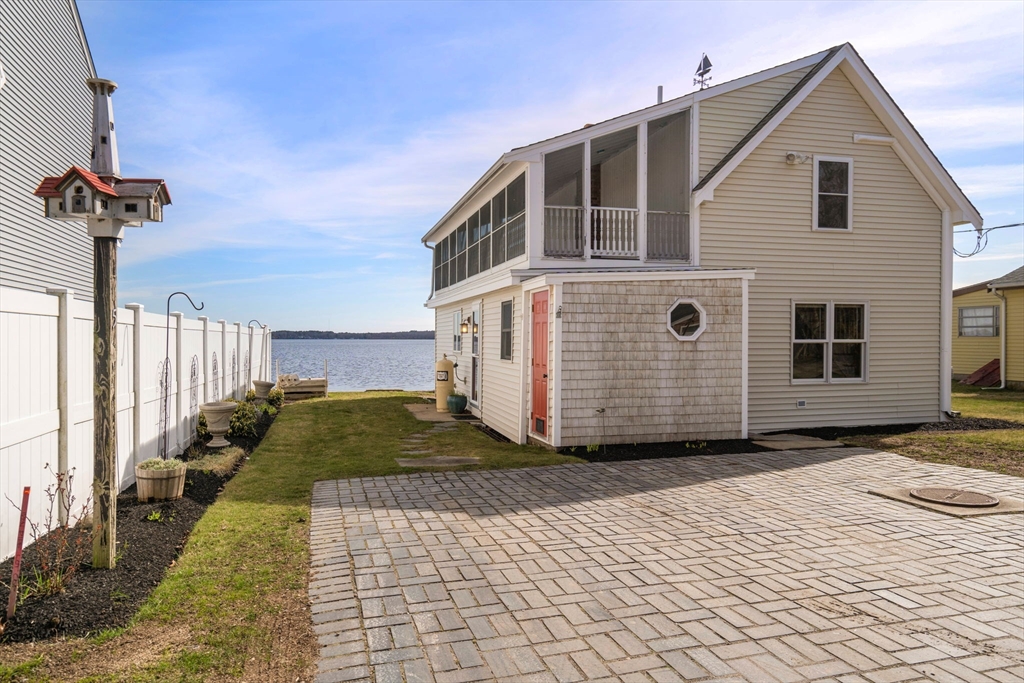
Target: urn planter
262,388
218,421
457,404
160,484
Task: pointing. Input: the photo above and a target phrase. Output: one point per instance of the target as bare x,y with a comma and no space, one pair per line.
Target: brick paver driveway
767,567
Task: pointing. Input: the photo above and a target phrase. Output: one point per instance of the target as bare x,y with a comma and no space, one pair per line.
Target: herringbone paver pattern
763,567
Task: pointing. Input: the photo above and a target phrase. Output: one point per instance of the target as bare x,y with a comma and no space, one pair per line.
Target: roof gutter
494,170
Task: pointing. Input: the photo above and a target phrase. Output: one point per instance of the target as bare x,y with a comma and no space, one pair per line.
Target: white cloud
986,182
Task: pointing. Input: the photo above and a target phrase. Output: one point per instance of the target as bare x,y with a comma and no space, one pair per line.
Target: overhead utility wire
982,240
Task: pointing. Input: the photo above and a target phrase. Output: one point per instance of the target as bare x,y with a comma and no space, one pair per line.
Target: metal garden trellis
216,378
165,383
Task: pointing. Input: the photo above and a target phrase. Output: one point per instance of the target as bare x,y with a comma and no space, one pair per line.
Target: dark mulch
960,424
96,600
672,449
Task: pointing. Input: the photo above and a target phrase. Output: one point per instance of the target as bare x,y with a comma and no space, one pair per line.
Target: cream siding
761,217
500,390
725,119
971,353
1014,330
45,127
618,354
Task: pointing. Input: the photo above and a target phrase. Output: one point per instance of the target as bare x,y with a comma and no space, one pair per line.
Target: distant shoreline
320,334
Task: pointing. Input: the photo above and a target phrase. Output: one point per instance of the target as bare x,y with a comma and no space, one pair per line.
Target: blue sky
308,146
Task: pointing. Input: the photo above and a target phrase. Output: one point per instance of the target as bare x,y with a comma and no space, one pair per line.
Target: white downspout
431,272
946,319
1002,337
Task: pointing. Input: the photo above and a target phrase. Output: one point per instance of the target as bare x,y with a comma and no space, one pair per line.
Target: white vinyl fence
46,390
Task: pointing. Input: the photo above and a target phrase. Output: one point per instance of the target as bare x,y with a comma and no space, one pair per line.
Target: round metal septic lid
958,497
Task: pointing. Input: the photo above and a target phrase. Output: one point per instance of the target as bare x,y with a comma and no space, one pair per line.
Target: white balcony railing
613,233
563,231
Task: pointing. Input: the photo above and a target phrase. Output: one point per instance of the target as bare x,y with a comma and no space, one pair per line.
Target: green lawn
239,586
997,450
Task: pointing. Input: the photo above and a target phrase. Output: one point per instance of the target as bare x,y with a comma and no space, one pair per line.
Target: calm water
358,364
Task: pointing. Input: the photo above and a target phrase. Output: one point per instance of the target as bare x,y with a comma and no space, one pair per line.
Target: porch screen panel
668,187
498,214
516,226
613,195
474,248
563,202
485,237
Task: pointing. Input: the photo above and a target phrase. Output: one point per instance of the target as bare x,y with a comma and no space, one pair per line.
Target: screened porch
597,205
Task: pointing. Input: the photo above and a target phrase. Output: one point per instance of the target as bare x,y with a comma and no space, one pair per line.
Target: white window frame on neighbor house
829,340
817,159
703,325
457,331
993,315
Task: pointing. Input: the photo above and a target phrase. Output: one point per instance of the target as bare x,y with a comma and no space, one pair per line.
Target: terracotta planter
218,421
262,388
160,484
457,404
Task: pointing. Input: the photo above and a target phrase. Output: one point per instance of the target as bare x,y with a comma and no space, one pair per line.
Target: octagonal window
686,319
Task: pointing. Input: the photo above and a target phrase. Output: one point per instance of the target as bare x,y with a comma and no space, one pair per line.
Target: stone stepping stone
793,442
437,461
416,452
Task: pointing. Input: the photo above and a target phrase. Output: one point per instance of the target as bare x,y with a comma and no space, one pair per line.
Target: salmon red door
539,412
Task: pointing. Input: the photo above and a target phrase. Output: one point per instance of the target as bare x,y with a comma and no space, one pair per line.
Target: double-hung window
979,321
833,193
829,342
506,330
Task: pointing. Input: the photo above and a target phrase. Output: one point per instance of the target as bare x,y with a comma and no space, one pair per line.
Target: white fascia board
530,152
707,193
491,283
83,37
893,118
496,168
541,281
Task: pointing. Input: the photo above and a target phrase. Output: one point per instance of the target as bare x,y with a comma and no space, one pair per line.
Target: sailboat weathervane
703,69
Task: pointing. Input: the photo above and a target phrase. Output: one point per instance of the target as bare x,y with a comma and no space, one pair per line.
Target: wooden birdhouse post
107,203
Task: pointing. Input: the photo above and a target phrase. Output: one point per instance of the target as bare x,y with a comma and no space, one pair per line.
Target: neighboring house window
457,331
686,319
979,321
506,330
829,342
833,193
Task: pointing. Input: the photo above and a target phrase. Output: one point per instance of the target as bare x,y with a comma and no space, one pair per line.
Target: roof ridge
772,113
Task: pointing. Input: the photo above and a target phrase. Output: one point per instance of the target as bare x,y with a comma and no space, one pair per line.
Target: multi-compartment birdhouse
100,196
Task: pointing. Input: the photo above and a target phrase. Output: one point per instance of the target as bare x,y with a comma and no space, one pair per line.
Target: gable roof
1013,279
143,187
54,186
904,139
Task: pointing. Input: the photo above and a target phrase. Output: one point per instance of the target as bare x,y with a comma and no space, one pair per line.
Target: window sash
832,203
506,330
457,331
978,321
840,360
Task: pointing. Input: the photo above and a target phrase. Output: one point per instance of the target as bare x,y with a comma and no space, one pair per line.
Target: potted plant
218,421
159,479
262,389
457,402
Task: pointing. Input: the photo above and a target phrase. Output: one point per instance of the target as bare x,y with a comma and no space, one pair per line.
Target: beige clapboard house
770,253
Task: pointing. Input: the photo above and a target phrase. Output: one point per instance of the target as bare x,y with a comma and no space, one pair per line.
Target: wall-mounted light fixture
794,158
464,328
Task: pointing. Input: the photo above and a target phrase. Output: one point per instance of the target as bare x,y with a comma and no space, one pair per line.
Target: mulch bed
959,424
672,449
96,600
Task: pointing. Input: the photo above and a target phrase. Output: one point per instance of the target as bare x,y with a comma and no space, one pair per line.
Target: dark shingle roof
1014,278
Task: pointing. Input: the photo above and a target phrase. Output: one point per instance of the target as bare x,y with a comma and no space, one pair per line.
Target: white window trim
849,189
512,331
703,319
997,330
829,340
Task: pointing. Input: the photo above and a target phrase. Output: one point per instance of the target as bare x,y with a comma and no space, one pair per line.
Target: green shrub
250,396
276,398
243,421
160,464
267,410
201,431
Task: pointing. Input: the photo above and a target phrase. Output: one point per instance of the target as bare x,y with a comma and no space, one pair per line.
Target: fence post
138,400
223,359
63,425
179,382
206,357
252,359
270,354
238,363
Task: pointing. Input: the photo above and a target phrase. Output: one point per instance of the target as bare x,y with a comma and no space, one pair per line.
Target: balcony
615,233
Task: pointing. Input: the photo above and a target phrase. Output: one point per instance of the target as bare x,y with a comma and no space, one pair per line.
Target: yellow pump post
444,382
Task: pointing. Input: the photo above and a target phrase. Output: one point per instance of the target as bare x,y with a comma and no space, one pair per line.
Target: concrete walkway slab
775,566
793,442
428,412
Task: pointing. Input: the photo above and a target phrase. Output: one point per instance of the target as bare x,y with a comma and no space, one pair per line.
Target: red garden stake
12,599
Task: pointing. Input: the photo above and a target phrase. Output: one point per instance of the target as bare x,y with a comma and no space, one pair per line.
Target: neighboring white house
770,253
